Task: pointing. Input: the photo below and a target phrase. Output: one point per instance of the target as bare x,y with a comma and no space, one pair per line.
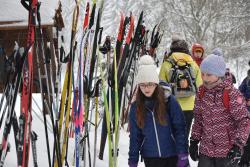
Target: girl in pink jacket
221,121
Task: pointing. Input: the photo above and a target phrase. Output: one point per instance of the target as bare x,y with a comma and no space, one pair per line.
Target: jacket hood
181,58
197,59
197,46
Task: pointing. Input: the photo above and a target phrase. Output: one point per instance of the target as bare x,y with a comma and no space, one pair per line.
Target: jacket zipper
156,135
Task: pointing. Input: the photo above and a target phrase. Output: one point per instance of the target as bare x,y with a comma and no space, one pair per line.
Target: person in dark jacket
245,89
220,130
157,124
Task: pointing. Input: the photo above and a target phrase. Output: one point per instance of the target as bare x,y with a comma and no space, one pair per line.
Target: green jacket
186,103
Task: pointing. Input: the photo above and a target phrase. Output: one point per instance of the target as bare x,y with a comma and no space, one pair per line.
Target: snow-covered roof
13,14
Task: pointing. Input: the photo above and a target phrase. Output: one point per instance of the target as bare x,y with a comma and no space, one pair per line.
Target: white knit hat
147,71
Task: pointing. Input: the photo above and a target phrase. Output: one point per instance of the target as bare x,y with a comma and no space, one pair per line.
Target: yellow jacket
186,103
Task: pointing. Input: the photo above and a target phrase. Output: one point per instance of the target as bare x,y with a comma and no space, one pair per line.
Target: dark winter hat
217,51
179,45
214,64
147,71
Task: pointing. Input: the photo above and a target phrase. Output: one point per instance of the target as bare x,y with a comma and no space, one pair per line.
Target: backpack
225,99
182,76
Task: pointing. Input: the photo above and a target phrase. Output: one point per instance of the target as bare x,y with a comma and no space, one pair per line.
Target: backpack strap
226,98
193,79
201,92
171,61
173,64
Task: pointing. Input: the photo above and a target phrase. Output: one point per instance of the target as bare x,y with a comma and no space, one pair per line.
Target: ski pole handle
25,5
38,14
97,88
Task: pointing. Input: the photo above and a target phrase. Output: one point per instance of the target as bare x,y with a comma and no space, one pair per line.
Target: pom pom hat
147,71
214,64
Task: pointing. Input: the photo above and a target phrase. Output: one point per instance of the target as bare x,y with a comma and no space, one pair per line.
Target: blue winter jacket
245,88
172,137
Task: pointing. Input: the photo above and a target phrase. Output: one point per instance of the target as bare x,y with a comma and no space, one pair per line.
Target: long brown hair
160,107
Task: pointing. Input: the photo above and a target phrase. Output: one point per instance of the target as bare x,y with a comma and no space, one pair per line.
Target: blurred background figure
197,53
230,76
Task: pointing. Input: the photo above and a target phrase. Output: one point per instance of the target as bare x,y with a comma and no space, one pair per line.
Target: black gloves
234,155
245,158
193,149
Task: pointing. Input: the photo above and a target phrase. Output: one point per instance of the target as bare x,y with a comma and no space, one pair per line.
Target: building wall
7,41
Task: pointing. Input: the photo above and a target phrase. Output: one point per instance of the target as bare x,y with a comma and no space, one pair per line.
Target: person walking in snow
184,75
197,53
221,121
157,125
245,89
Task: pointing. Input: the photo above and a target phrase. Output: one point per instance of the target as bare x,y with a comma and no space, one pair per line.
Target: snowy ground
38,127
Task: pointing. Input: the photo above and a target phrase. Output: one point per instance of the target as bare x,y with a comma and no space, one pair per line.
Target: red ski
25,118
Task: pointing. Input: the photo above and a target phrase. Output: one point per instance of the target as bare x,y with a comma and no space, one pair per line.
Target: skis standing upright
127,23
14,88
67,90
156,37
78,114
25,118
90,70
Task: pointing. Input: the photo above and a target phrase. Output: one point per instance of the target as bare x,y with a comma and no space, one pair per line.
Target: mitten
193,149
234,155
182,160
132,164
